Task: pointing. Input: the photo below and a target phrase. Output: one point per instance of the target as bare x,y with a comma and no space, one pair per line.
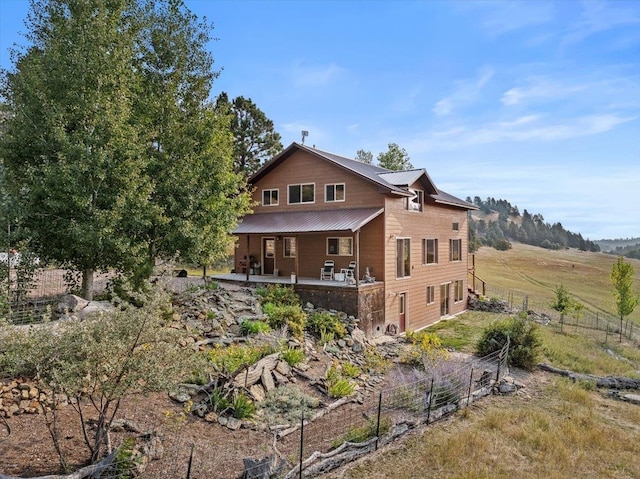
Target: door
268,255
402,311
444,299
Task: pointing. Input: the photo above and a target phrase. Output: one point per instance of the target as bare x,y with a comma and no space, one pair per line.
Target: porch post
248,256
295,261
357,271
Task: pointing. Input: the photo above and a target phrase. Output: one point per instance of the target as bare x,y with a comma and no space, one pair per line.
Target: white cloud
540,89
466,92
508,16
599,16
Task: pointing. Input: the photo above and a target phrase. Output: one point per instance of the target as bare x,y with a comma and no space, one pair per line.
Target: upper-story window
455,226
270,197
304,193
414,203
334,192
455,250
429,251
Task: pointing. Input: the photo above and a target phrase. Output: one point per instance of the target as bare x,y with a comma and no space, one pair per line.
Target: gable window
403,257
340,246
334,192
455,226
431,294
304,193
457,291
270,197
455,250
290,248
429,251
414,203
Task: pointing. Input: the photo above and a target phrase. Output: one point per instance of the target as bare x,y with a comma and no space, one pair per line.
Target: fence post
606,336
470,385
190,462
597,319
430,400
301,442
378,425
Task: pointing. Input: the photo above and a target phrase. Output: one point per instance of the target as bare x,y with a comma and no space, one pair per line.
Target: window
455,226
305,193
429,251
403,257
340,246
414,203
270,198
290,248
334,192
431,294
455,250
458,291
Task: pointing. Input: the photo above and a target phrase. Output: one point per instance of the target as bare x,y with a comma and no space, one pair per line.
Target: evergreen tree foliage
254,137
524,228
364,156
395,158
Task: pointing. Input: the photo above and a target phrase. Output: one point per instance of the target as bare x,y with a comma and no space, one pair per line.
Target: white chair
327,270
350,273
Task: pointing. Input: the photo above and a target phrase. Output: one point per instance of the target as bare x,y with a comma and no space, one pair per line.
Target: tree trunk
87,284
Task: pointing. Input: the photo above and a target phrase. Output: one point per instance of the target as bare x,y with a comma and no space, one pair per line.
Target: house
407,238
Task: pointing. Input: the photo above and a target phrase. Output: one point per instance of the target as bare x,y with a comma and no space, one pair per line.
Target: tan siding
435,221
303,167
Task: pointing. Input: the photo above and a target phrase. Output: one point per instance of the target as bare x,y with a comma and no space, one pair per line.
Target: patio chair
327,270
350,273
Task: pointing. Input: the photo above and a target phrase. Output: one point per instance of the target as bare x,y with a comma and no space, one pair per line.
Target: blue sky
534,102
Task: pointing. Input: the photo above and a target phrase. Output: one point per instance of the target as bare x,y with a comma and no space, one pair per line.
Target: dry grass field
554,428
537,272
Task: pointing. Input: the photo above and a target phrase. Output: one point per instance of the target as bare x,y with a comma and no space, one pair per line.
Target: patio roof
307,221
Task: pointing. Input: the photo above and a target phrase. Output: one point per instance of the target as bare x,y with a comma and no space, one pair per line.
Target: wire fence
335,436
596,325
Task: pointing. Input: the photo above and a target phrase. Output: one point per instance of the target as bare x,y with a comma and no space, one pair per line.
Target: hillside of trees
498,223
629,247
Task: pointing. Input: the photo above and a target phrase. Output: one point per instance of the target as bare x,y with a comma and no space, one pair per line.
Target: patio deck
241,278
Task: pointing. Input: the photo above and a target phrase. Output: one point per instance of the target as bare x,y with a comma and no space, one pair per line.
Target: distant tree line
630,251
525,228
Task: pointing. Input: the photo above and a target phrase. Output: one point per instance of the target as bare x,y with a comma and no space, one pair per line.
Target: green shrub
525,340
243,407
219,401
351,370
286,404
363,433
426,351
293,356
375,361
291,316
278,295
340,388
249,326
231,358
323,322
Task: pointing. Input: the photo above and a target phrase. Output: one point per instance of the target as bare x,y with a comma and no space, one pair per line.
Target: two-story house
406,241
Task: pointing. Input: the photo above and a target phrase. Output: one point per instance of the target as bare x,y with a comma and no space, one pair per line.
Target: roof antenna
304,133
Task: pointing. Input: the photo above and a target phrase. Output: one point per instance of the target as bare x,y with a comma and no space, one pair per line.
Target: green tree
114,153
622,280
364,156
70,150
95,364
564,303
197,198
254,137
395,158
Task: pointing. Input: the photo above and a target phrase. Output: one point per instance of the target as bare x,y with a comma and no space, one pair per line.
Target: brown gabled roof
307,221
395,182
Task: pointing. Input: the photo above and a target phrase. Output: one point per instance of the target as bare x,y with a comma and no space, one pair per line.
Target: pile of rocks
18,396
